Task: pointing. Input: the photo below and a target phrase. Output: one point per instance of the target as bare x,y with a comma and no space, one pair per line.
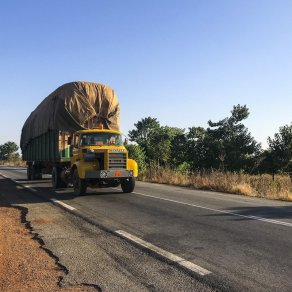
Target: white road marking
169,256
220,211
31,189
34,190
63,204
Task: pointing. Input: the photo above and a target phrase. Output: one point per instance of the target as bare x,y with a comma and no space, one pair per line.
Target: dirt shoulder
24,264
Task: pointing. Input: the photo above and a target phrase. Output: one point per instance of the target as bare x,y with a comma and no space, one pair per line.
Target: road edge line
165,254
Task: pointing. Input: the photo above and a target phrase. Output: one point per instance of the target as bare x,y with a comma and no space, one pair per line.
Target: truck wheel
36,173
79,184
128,185
39,176
28,172
115,184
56,178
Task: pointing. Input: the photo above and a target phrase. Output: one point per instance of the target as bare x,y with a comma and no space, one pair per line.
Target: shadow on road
13,194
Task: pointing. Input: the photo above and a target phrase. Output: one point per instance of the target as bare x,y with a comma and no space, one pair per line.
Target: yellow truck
74,135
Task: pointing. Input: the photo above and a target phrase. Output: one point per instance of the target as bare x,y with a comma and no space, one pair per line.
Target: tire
28,172
36,172
115,184
57,183
79,184
128,185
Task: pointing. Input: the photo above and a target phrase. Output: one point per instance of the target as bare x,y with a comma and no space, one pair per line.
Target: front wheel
79,184
128,185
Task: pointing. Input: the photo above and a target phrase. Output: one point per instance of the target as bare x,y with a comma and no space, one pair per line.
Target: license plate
118,173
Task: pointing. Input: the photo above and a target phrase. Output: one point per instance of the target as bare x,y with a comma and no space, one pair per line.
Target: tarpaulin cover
73,106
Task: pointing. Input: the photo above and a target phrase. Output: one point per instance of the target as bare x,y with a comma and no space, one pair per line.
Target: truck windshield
101,139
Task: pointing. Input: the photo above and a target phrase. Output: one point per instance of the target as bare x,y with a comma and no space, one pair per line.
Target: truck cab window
101,139
76,141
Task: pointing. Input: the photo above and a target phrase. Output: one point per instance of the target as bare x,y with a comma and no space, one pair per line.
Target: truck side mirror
126,141
69,141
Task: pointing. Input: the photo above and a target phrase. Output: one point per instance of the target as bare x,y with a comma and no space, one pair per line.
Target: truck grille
117,160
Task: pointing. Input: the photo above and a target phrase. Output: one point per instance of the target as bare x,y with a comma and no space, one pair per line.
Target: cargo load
73,106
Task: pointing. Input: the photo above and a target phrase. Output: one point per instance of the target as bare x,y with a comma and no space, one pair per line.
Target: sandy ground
24,264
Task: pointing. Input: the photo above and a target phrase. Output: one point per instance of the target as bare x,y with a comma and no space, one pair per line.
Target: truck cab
99,159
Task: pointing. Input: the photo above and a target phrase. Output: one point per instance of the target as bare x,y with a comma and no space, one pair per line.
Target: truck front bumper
113,173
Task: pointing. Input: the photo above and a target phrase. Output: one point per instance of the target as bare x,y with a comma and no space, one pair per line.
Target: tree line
225,145
8,151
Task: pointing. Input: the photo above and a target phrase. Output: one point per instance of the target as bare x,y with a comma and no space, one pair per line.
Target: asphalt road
240,243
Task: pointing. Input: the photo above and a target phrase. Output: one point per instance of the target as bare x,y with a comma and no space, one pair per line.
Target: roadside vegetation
9,155
228,182
222,157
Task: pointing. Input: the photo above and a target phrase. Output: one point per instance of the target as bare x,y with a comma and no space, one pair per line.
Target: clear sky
183,62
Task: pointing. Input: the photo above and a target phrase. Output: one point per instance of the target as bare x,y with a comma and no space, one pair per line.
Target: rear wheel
28,172
128,185
36,172
79,184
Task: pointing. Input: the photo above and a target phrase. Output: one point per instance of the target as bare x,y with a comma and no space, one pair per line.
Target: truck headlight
103,174
131,173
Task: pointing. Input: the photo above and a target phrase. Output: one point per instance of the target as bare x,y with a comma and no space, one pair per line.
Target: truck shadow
16,194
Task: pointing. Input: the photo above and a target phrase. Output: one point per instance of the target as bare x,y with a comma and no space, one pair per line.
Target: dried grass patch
229,182
19,163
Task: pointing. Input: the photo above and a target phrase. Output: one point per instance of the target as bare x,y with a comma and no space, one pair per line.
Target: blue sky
183,62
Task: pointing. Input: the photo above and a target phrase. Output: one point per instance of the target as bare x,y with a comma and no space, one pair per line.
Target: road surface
160,238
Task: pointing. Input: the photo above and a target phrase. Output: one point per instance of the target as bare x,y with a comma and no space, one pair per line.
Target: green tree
161,144
8,151
280,150
156,141
224,145
268,163
197,146
144,130
137,153
230,144
178,151
143,134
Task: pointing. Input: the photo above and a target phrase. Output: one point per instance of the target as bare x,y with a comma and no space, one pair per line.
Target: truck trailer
74,135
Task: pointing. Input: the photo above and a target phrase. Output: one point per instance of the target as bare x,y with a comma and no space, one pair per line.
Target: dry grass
235,183
13,163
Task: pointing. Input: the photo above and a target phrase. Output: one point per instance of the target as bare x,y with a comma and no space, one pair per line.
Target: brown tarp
73,106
